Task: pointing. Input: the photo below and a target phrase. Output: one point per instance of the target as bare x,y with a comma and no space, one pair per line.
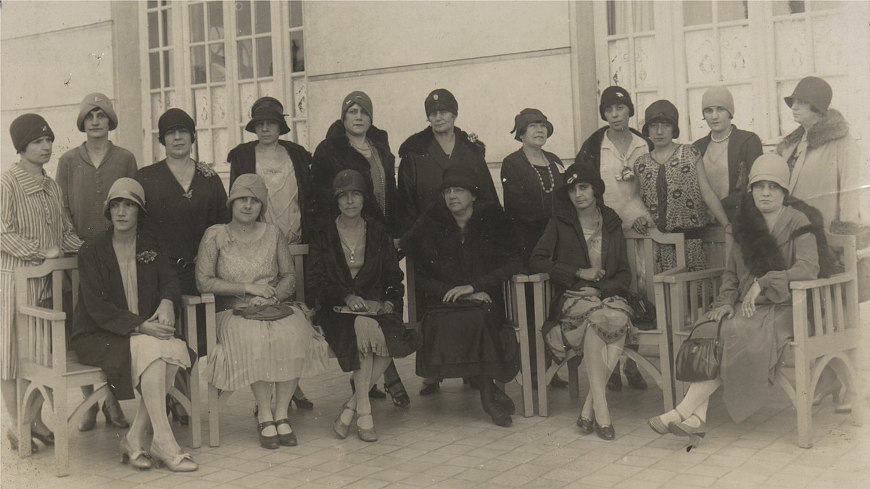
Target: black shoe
585,425
397,391
558,382
615,382
429,389
288,440
605,432
471,382
635,380
301,402
499,415
174,409
271,442
374,392
503,400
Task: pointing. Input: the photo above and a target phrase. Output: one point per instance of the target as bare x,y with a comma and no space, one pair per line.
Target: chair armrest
43,313
192,300
839,278
521,278
682,277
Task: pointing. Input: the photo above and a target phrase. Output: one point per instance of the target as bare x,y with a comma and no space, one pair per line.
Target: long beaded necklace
352,247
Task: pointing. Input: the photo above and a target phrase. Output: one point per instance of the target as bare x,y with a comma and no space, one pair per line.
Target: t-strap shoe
289,439
267,441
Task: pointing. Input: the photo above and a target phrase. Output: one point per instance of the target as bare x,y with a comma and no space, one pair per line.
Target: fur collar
419,143
564,210
831,126
376,135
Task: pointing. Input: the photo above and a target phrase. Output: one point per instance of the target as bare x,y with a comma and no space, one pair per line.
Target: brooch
472,137
205,170
626,175
146,256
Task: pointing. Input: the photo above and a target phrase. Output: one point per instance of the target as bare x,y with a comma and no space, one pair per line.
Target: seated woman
583,251
125,324
247,263
463,251
768,255
355,280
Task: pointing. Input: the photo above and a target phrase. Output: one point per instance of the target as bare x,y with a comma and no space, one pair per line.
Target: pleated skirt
146,349
251,351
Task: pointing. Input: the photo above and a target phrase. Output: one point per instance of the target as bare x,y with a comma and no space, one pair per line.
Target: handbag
270,312
699,358
644,312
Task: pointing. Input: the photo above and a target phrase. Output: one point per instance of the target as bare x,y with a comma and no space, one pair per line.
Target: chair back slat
298,252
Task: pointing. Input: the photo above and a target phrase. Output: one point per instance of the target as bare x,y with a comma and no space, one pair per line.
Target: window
230,54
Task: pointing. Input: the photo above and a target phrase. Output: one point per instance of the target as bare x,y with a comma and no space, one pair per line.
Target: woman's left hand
749,300
165,313
481,296
588,292
457,293
262,301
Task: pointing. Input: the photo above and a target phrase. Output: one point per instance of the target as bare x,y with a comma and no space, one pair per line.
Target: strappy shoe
656,424
366,434
585,425
683,429
180,462
396,390
339,427
136,458
267,441
288,440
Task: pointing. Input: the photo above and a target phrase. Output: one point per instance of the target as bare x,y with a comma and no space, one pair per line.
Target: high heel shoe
289,439
89,421
180,462
605,432
585,425
118,420
683,429
397,391
136,458
302,402
341,428
176,411
267,441
374,392
366,434
45,439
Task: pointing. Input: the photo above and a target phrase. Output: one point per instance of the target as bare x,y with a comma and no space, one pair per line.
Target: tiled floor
446,441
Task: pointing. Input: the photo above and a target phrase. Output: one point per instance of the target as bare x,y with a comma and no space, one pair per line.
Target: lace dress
249,351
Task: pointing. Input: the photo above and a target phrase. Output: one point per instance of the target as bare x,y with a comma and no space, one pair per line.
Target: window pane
217,62
167,68
154,69
166,27
152,3
620,21
787,7
730,10
295,13
696,13
263,16
642,16
264,56
152,30
197,32
216,18
297,52
246,59
243,18
197,65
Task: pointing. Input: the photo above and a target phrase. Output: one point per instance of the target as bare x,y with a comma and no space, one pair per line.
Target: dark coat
590,151
488,256
743,148
242,159
335,154
562,251
526,204
102,322
420,173
328,282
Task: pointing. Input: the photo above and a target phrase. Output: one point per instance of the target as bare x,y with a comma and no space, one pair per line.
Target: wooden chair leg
574,377
61,431
22,429
803,405
214,416
195,416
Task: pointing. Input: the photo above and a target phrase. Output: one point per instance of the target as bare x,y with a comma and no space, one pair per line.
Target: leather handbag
271,312
699,358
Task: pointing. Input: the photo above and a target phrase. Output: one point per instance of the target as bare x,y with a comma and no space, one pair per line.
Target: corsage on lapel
146,256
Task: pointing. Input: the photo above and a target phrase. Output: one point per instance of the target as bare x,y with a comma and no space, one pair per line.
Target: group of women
175,231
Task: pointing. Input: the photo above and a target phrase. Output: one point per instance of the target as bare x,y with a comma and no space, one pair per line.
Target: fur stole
758,247
831,126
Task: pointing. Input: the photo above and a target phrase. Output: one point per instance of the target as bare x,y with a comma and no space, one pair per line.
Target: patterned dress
671,193
249,351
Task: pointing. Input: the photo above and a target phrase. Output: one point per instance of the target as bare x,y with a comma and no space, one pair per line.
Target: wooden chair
46,366
826,328
641,258
217,398
515,312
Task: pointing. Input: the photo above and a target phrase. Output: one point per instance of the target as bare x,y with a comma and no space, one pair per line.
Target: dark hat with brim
526,117
661,111
814,91
460,175
348,180
174,118
267,109
582,172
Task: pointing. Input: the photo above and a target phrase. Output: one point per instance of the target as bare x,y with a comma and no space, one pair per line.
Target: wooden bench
641,258
826,328
48,367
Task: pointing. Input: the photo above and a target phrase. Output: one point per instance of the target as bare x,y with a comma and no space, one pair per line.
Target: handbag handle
702,323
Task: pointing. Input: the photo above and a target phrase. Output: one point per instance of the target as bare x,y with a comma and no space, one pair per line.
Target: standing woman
727,152
754,302
464,250
583,250
674,188
353,266
125,324
353,142
185,197
247,263
33,227
284,166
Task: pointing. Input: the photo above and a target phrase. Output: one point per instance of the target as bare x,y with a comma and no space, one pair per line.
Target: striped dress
31,219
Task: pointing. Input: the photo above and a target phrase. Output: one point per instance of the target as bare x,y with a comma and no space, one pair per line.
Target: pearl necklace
723,139
541,180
